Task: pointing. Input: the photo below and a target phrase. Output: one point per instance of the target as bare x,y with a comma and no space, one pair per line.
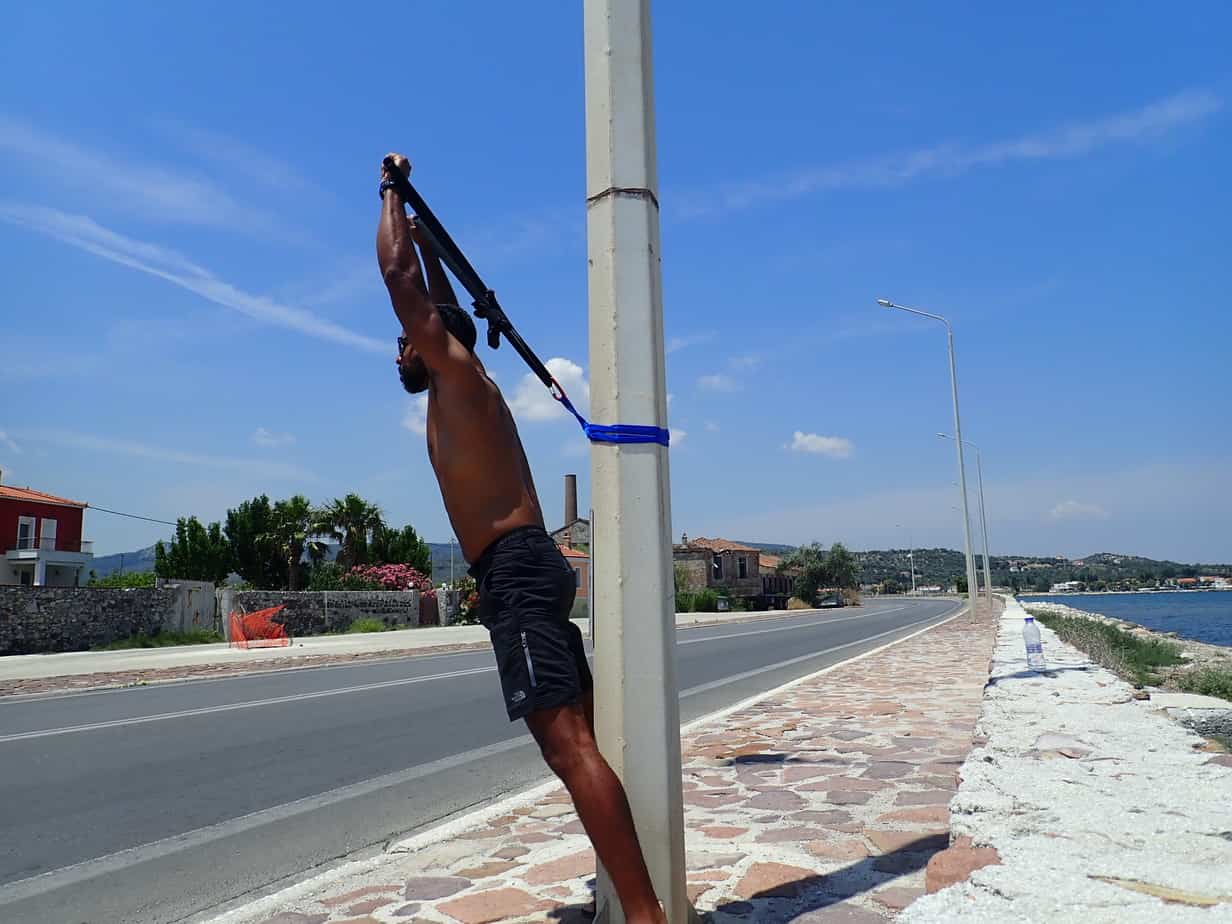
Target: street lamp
910,557
979,468
972,591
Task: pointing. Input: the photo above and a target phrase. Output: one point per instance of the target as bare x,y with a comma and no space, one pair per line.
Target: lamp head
944,436
885,303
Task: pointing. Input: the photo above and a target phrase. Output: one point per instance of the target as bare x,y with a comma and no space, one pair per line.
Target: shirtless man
526,588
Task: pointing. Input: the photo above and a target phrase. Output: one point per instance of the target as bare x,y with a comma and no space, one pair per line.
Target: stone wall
315,612
47,619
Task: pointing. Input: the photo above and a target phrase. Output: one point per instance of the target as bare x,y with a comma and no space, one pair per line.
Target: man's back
475,450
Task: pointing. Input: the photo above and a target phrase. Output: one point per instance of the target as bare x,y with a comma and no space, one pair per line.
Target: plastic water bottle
1035,647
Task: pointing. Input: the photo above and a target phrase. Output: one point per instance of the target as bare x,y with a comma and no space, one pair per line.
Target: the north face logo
518,697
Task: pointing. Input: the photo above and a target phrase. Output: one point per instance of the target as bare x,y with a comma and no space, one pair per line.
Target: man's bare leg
568,744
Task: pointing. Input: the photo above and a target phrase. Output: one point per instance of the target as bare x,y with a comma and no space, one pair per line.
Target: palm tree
353,519
294,524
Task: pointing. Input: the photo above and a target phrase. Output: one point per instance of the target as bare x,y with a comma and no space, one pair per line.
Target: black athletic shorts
526,590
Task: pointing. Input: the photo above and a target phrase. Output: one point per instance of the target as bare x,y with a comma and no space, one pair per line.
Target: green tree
352,520
125,579
814,573
293,523
197,553
250,529
960,583
400,546
891,586
842,567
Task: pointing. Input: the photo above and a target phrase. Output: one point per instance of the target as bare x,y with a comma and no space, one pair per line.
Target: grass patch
366,624
1135,659
163,640
1208,681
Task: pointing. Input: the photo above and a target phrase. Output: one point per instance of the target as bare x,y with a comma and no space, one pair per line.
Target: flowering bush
395,577
468,604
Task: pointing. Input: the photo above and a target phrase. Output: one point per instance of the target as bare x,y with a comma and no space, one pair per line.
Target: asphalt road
163,803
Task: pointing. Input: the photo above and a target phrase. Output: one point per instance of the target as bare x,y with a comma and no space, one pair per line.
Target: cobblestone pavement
821,803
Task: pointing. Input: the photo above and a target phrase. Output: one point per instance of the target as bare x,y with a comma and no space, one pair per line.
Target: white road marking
803,625
229,707
121,859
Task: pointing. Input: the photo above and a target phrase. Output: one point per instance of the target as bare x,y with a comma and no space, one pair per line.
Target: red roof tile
38,497
720,545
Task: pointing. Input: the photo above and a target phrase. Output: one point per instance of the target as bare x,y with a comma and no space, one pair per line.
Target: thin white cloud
676,435
169,194
241,158
712,427
834,447
531,401
84,233
1076,510
718,382
270,439
1068,140
7,442
745,362
416,417
86,442
688,340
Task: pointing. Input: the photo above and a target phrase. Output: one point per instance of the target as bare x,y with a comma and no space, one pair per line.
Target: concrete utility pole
973,593
636,701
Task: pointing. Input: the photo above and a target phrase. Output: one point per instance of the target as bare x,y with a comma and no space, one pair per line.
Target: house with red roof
41,539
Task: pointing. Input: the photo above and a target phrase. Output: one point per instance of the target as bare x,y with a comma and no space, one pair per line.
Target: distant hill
773,548
140,560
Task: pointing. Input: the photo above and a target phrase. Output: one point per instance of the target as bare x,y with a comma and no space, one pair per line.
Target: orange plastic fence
258,630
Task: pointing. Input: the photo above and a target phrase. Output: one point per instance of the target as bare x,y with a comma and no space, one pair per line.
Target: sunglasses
402,342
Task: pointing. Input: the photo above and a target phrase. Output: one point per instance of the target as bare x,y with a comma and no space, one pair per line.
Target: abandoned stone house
718,564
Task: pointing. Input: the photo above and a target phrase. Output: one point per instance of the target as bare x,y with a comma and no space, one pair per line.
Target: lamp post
910,556
972,591
979,468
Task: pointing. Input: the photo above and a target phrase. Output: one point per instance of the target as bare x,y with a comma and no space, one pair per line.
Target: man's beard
414,376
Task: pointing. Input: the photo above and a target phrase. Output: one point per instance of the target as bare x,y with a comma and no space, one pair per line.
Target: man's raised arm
395,252
440,290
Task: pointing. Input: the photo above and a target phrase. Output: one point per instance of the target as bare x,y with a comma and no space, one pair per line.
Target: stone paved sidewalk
821,803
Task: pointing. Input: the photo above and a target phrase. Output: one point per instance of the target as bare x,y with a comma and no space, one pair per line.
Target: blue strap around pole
615,433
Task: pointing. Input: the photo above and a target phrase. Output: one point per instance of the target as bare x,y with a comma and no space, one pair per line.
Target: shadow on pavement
1050,672
794,901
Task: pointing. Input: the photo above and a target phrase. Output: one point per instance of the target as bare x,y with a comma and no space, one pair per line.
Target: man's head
411,368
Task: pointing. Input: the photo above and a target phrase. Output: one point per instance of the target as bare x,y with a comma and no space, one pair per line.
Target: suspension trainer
488,308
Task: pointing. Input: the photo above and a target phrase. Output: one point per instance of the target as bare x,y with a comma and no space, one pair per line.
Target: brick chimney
570,499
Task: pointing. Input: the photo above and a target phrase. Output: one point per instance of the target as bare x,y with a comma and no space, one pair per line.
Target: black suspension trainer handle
486,305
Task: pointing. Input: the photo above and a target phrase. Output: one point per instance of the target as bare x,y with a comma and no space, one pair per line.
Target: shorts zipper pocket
529,666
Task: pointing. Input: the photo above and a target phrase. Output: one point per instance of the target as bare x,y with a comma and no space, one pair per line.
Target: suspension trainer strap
489,309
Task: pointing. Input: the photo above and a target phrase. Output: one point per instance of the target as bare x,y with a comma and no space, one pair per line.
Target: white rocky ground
1102,808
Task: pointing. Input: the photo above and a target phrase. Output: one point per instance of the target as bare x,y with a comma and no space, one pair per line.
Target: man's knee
564,739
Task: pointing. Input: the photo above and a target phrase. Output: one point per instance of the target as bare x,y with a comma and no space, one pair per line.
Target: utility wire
132,516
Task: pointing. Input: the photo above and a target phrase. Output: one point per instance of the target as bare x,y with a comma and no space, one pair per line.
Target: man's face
411,368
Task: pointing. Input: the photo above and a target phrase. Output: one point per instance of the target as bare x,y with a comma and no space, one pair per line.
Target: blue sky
191,311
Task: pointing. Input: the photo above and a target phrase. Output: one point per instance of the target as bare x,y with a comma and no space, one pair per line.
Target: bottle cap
1030,619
